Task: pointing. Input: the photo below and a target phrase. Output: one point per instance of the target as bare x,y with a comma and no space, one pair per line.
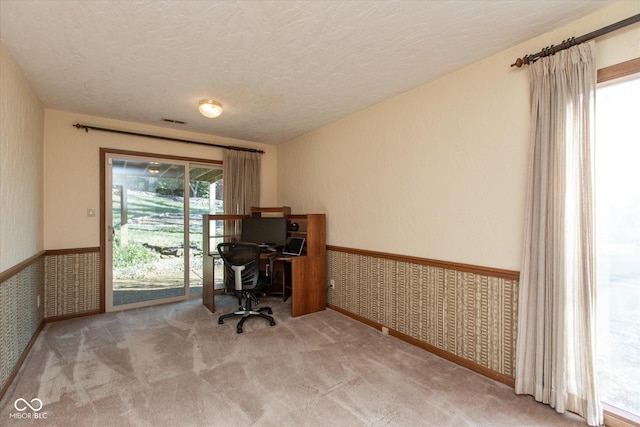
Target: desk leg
286,281
208,281
308,285
299,303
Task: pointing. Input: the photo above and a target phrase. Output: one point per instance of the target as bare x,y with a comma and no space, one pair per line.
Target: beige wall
21,129
72,178
439,171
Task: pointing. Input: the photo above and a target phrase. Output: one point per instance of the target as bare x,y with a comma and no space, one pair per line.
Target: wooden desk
305,277
301,277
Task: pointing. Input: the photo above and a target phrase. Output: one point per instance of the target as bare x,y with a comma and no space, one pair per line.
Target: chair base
245,314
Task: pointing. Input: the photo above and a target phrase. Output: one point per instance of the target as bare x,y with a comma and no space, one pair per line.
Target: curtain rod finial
519,63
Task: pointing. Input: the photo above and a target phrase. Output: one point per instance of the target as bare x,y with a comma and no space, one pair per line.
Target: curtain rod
124,132
566,44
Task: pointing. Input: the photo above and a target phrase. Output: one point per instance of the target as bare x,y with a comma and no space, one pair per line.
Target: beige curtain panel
241,172
555,354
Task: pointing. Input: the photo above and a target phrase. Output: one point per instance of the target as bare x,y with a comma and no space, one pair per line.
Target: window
617,213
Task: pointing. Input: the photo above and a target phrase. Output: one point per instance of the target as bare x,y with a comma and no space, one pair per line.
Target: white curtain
241,172
555,352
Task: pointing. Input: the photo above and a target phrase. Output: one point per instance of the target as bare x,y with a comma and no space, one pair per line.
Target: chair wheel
273,323
220,322
239,330
270,311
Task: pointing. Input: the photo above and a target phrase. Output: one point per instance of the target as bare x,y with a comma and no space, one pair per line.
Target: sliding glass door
154,228
617,210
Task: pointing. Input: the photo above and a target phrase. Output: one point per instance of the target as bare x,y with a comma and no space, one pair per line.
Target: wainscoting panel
468,314
72,283
20,316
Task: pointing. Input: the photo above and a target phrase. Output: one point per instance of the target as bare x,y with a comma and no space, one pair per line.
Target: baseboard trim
21,360
496,376
71,316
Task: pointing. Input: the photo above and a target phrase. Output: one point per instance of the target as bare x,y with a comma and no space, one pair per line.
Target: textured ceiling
280,68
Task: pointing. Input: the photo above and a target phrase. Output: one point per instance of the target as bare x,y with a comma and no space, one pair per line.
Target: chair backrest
241,254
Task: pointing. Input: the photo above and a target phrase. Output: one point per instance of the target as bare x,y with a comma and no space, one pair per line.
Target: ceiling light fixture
210,108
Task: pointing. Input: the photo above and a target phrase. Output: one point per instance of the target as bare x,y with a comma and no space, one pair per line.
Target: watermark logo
23,406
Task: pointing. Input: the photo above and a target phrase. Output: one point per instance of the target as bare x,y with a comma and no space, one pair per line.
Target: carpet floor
173,365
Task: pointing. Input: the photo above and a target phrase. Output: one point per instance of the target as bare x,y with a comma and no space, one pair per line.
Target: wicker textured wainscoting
465,311
65,282
20,316
72,284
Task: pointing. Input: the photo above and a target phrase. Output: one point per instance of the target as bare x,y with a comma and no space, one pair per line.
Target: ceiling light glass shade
210,108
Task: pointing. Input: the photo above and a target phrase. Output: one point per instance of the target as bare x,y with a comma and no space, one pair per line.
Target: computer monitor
271,231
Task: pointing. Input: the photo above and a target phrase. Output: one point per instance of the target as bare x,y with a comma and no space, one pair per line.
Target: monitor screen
269,231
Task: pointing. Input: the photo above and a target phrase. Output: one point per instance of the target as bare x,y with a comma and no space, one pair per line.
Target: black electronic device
268,232
294,246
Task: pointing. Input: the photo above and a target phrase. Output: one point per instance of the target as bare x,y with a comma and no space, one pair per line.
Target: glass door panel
147,232
617,211
205,197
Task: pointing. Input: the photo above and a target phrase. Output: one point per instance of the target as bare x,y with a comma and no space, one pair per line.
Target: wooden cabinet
304,278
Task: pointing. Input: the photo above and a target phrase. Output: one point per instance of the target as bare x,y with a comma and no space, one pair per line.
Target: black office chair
242,268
